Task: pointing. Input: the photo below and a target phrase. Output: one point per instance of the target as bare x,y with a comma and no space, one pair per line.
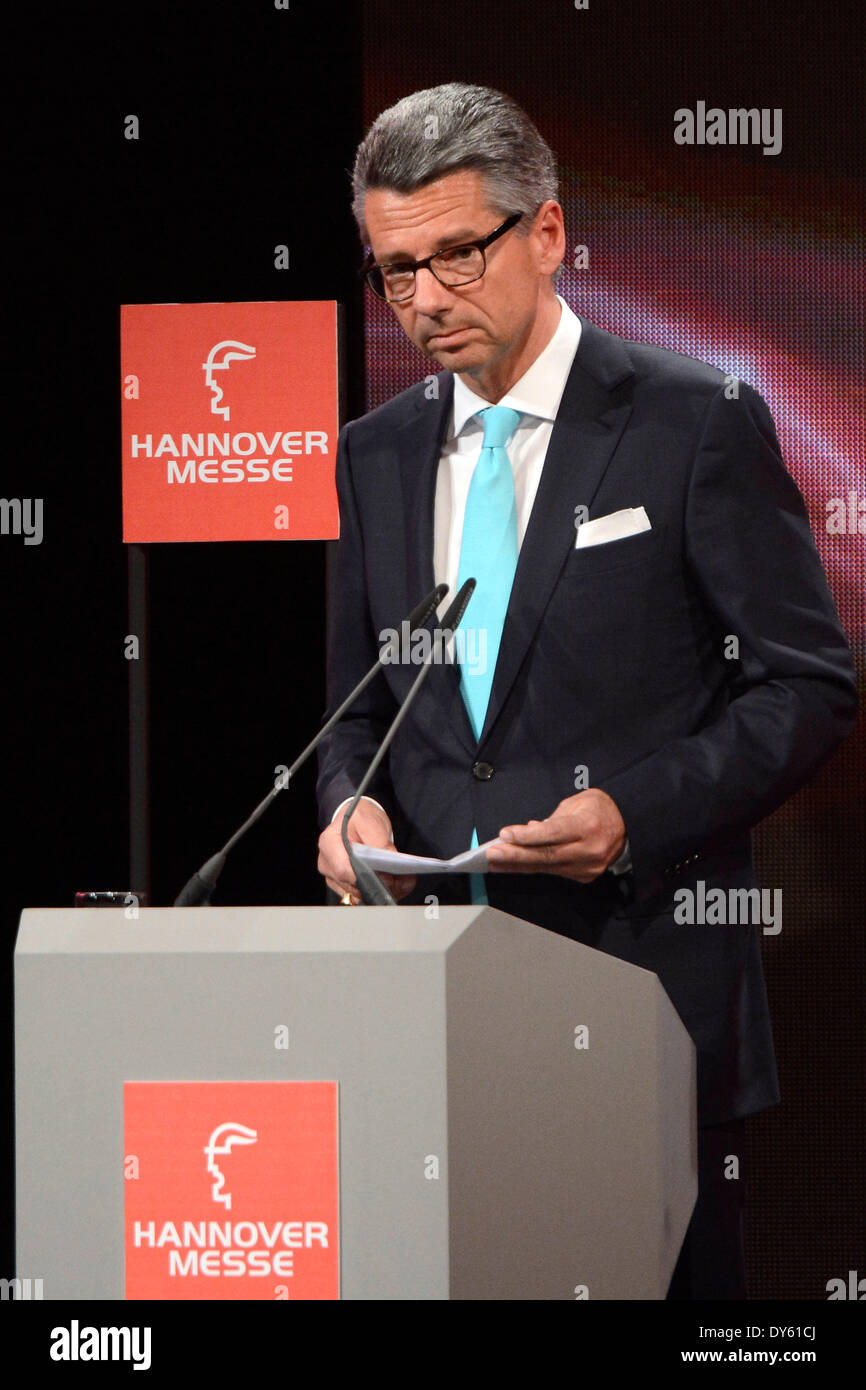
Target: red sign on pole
232,1190
230,421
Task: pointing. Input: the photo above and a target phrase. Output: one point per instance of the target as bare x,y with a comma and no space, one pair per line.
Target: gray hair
457,126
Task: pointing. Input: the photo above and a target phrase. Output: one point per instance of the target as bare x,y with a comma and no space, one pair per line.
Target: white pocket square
629,522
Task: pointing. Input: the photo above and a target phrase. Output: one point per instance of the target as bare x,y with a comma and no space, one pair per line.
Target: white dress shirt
536,396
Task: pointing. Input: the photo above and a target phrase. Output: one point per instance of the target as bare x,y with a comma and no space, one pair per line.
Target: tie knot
499,422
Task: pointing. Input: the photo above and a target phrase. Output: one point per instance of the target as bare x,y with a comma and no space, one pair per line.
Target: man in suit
653,688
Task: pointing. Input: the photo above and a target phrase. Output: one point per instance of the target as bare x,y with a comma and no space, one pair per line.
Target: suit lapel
419,441
591,418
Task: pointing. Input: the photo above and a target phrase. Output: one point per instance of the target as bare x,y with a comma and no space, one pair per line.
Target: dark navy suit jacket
613,657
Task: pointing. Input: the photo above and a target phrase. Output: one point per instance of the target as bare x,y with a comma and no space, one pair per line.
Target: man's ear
550,228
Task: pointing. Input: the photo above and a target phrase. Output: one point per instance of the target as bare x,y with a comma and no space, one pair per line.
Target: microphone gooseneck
373,891
198,890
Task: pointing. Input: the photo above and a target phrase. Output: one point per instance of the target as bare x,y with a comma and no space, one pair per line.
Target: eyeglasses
453,266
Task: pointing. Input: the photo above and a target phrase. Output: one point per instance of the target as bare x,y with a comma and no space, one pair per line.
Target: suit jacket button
482,772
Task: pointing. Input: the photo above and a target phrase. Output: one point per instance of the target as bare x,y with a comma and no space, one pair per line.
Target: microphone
198,890
372,889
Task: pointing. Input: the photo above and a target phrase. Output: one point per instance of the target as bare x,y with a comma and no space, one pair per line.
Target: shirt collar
539,390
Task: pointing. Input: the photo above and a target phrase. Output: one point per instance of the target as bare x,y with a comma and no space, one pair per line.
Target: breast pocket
625,590
608,556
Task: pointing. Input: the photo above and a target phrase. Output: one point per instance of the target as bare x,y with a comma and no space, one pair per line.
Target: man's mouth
444,339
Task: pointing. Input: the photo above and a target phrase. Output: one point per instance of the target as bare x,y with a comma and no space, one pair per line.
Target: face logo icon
222,1141
218,360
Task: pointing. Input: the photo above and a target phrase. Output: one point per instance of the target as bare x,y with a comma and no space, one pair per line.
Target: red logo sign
229,421
232,1189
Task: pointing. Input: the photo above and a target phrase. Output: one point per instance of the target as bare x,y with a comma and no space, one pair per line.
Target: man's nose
430,296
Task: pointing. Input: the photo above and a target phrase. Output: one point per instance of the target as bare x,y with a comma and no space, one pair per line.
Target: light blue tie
488,553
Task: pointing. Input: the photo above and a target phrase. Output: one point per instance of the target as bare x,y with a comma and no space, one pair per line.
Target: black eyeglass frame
481,244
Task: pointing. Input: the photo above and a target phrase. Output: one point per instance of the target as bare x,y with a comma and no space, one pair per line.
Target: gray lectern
516,1111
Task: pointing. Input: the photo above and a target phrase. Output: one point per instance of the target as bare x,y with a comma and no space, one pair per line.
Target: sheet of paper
392,861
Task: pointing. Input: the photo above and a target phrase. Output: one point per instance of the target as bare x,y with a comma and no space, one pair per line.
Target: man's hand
583,837
369,826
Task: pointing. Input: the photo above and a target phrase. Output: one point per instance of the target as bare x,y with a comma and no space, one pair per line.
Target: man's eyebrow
456,238
453,239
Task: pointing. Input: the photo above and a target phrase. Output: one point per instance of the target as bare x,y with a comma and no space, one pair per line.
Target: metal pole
139,722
